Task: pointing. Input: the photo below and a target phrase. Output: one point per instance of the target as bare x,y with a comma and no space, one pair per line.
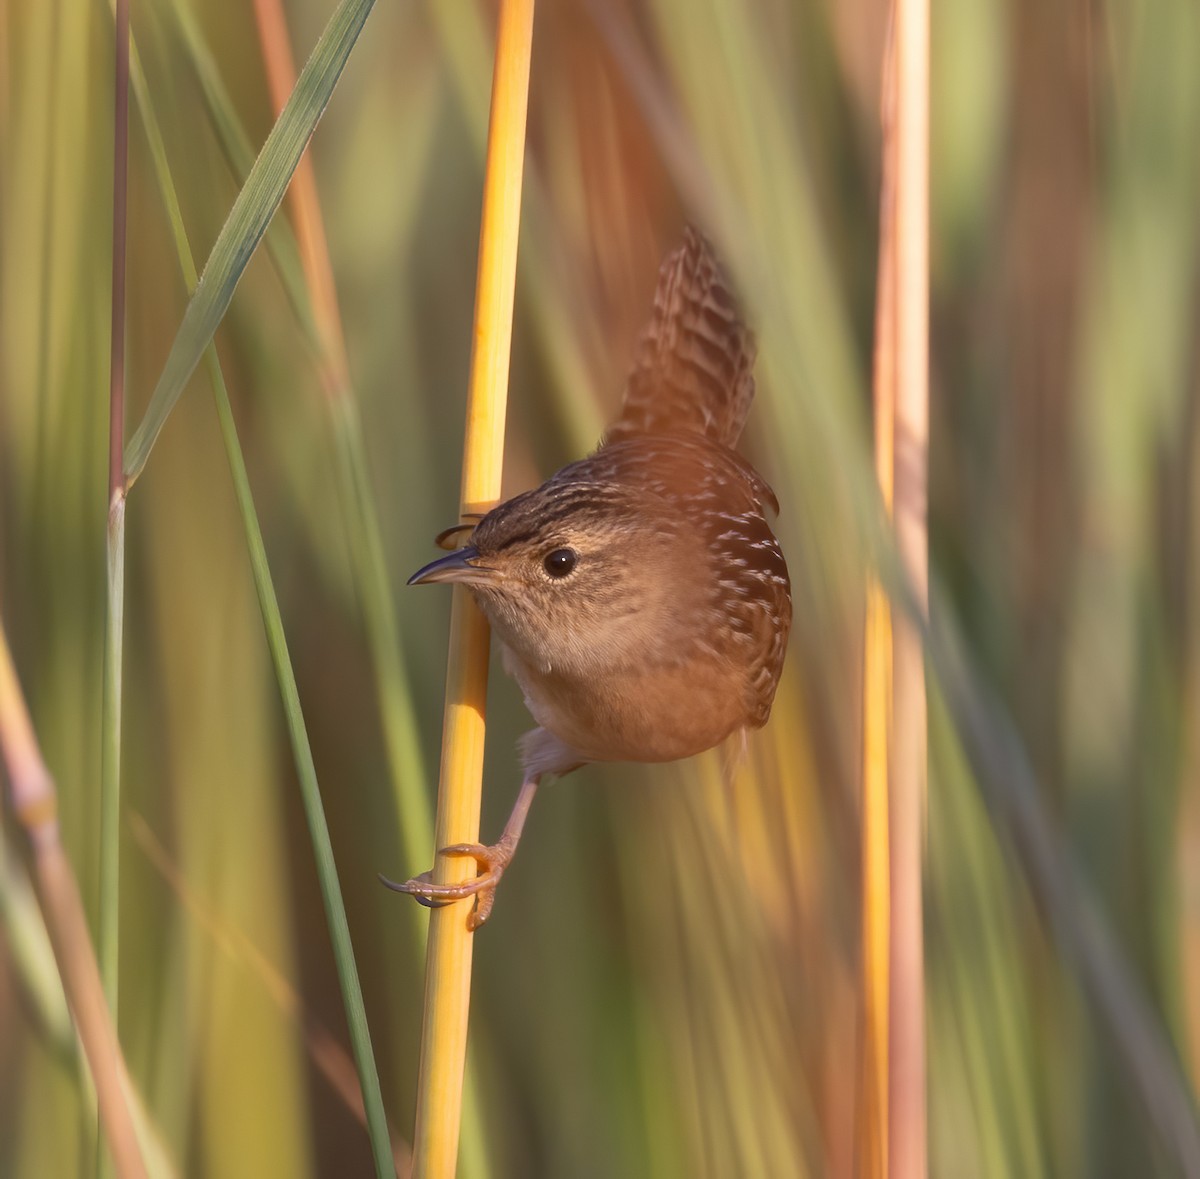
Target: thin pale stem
35,805
110,754
108,930
110,747
907,1134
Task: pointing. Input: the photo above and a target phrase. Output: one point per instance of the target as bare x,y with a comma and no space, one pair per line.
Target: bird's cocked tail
693,369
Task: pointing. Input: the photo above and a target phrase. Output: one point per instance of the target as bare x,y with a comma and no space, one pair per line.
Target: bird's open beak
457,567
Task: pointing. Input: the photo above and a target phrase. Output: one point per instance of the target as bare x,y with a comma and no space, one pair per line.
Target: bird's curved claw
492,861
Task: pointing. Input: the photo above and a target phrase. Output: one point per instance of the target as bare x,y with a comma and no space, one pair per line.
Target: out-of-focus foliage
667,985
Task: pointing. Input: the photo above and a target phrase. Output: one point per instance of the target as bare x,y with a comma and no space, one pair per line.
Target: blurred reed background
667,986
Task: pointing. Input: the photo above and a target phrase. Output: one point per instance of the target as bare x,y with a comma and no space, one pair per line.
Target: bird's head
576,576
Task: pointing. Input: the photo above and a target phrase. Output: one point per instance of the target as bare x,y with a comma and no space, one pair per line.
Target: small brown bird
640,597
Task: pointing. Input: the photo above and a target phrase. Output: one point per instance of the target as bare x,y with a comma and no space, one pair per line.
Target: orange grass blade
36,807
873,1104
448,966
305,206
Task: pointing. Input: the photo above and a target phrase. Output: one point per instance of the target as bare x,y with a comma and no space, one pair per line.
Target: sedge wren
640,597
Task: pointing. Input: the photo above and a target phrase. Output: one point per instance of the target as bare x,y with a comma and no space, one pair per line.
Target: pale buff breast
652,714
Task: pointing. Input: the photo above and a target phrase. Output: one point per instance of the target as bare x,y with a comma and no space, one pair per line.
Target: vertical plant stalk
35,805
448,965
110,752
907,1153
873,1098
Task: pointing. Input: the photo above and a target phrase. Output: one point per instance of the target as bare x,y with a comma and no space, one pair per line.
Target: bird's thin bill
456,567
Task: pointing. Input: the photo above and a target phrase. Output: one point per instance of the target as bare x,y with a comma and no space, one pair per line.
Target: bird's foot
492,861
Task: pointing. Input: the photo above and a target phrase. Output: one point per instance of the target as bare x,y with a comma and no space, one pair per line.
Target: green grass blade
248,220
273,624
108,1157
335,910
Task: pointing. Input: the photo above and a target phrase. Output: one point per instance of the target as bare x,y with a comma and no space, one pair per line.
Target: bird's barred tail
693,366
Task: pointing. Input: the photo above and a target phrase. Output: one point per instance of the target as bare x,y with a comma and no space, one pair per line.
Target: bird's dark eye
560,562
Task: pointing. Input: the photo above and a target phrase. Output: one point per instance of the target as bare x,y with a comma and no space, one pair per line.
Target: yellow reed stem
448,965
35,805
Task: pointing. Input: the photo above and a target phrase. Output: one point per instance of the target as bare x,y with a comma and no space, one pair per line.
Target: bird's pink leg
492,860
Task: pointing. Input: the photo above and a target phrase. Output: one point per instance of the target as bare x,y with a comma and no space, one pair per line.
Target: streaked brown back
693,366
